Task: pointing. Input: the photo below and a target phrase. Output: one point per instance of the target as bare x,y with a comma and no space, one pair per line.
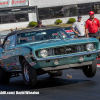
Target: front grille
67,49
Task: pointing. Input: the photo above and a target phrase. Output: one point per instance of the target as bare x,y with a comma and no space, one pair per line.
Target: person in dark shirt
39,24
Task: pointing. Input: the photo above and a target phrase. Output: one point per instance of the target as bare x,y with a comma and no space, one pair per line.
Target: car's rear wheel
90,70
4,76
29,74
55,73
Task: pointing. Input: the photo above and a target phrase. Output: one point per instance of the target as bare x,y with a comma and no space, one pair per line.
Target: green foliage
71,20
58,21
32,24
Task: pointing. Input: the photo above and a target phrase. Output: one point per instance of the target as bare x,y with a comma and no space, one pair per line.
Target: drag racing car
36,51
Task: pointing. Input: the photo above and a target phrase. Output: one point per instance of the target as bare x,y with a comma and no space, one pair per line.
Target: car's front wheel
29,74
90,70
55,73
4,76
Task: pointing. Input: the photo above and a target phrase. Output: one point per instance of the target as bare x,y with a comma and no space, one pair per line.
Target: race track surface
79,87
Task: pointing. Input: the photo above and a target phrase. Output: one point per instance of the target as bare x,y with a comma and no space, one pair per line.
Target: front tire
29,74
57,73
90,70
4,76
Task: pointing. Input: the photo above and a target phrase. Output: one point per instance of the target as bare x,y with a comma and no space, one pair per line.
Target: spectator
11,30
92,25
39,24
79,27
16,28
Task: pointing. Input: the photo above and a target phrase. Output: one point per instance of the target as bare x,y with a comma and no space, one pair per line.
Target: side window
10,42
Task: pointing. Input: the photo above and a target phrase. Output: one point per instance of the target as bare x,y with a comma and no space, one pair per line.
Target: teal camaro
37,51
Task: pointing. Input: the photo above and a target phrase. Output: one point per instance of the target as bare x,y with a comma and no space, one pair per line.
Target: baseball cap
91,13
79,16
39,21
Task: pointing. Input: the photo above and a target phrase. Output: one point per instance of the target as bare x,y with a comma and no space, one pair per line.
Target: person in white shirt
78,27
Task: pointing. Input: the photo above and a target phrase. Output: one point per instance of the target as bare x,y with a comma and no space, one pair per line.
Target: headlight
44,53
90,47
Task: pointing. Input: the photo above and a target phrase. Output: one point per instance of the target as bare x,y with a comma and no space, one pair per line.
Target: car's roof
32,29
29,30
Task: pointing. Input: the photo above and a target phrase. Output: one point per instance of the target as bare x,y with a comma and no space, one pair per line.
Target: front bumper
65,56
67,66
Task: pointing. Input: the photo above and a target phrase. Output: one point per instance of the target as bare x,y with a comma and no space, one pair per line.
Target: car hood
56,43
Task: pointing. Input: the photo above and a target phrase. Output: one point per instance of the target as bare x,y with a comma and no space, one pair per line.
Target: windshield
35,36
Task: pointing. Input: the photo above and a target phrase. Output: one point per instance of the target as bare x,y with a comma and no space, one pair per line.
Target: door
8,52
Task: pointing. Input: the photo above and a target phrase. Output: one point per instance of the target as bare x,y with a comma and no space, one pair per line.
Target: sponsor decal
5,57
13,67
18,2
68,31
11,64
17,63
14,63
19,67
32,63
10,3
16,67
7,64
2,64
7,68
16,59
10,68
4,2
55,34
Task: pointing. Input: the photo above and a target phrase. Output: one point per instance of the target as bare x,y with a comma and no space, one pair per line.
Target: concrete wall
50,3
13,25
8,26
51,21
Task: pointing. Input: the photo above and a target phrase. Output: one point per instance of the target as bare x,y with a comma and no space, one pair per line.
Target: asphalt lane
79,87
